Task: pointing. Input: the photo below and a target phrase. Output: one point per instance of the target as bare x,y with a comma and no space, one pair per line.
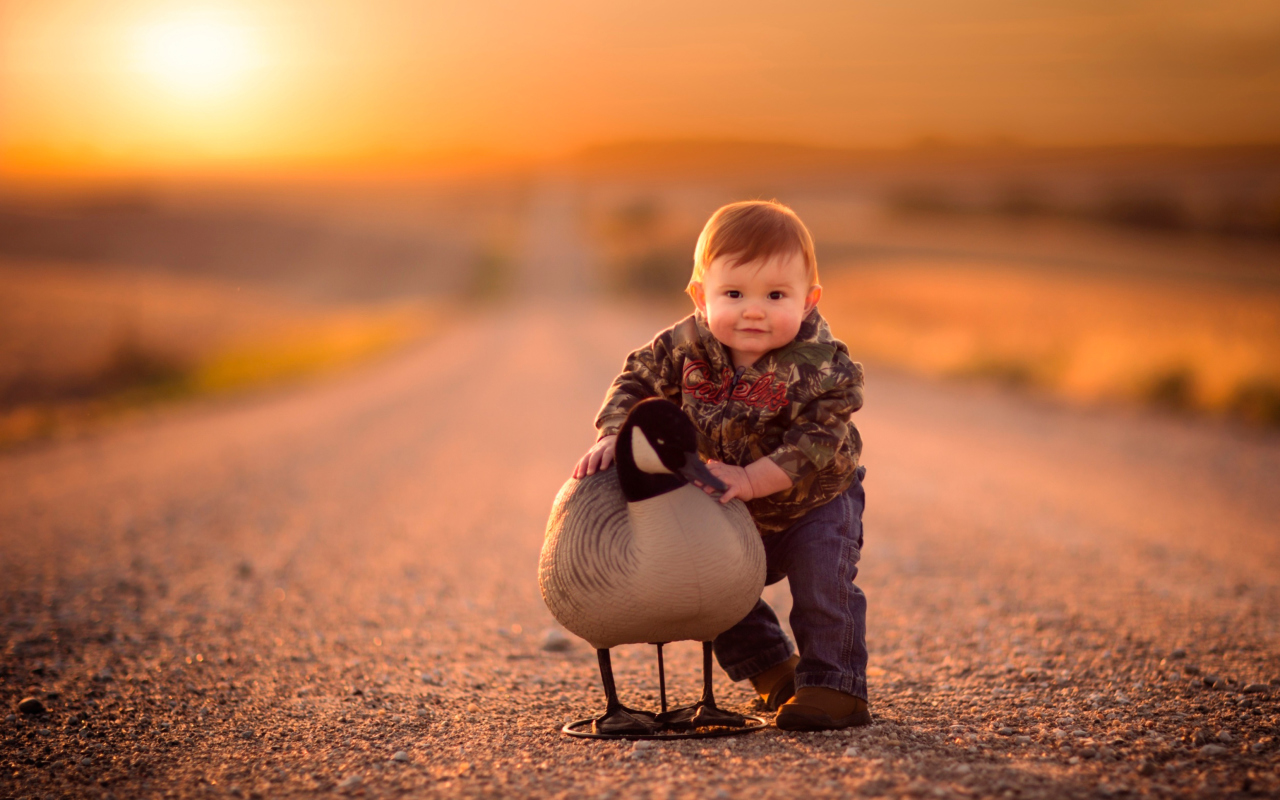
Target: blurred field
78,344
1183,345
116,298
1095,276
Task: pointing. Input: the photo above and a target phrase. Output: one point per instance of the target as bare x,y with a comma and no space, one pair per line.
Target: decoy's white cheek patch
645,456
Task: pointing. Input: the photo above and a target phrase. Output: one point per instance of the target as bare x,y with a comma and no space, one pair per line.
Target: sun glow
195,56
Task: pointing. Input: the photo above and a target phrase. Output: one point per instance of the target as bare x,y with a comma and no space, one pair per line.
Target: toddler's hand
736,478
759,478
598,458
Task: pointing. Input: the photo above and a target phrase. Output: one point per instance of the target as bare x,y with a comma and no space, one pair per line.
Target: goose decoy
638,554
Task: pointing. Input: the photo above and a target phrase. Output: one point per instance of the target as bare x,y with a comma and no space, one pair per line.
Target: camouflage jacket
793,406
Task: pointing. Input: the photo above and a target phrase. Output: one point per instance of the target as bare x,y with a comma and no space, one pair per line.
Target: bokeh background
1076,200
306,307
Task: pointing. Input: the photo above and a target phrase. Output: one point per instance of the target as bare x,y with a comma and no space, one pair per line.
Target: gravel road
332,590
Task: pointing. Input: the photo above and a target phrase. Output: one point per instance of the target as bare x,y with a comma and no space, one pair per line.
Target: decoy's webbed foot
704,713
677,719
623,721
619,720
709,715
700,715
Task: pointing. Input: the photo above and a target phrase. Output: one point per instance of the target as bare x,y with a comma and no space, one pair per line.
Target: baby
771,392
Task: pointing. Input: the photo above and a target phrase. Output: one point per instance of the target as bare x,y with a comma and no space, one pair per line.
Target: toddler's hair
750,230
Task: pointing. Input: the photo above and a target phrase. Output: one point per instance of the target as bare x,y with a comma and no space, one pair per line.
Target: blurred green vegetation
312,349
139,374
660,272
1138,206
491,275
1173,389
1257,400
647,250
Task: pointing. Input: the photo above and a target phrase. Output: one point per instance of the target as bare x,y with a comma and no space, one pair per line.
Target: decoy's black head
658,452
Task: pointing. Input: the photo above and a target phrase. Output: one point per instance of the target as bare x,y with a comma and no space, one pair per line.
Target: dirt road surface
332,590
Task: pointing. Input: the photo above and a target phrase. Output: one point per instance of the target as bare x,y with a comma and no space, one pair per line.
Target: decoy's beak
695,471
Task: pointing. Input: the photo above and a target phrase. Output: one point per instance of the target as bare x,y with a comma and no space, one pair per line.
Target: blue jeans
819,554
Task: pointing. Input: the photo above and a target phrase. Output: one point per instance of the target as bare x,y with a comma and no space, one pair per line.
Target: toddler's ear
811,300
699,295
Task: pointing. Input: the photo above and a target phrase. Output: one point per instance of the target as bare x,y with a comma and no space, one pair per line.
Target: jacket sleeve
651,371
819,436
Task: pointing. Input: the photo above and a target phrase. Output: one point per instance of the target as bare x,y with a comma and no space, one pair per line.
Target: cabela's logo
763,392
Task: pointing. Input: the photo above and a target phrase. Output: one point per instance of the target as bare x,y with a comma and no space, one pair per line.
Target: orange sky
85,85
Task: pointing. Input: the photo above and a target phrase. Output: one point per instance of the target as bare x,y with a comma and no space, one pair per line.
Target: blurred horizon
284,88
664,159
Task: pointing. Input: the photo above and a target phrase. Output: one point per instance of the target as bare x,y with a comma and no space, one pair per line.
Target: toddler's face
757,306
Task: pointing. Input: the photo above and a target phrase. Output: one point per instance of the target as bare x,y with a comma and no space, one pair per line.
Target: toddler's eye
733,293
775,295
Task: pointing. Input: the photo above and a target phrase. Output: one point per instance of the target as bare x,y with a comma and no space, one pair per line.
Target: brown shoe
817,708
776,684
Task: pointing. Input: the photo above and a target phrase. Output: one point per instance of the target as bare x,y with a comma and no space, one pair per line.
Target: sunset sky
136,86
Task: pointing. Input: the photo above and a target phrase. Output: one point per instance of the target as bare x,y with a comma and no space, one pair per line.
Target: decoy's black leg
703,713
617,718
612,703
708,698
662,680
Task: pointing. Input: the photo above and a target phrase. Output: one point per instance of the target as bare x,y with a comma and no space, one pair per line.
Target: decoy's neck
637,484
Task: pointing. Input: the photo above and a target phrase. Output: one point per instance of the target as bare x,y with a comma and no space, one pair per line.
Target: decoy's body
674,567
638,554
